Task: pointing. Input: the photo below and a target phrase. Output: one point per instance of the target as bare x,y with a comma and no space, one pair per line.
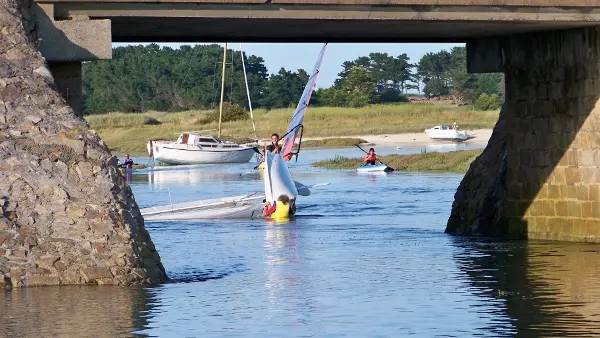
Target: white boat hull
372,168
220,208
181,154
447,135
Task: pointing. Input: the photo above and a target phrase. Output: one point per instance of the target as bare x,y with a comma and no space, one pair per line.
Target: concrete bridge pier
67,77
539,176
65,44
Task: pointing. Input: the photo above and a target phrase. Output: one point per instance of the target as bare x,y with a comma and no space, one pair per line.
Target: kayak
372,168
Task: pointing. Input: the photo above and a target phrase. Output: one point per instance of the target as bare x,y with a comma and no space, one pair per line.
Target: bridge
66,210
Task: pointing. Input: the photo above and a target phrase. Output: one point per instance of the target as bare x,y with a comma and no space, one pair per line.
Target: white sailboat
277,179
198,148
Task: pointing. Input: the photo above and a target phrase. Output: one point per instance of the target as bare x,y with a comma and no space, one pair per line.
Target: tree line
142,78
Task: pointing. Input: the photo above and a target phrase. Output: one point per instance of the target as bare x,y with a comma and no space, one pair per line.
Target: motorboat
196,148
446,133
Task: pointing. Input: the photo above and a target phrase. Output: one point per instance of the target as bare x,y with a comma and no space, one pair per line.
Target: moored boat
446,133
195,148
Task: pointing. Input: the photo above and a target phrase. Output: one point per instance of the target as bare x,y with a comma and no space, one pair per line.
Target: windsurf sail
298,117
278,179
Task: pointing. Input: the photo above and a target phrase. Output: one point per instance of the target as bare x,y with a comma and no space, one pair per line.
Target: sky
294,56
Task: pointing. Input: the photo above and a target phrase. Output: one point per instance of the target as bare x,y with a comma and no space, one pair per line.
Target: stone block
568,192
41,280
561,208
572,175
582,192
588,175
558,176
596,210
594,192
94,273
586,210
574,209
592,227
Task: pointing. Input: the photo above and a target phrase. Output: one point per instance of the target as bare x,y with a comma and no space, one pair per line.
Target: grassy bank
332,142
454,161
130,132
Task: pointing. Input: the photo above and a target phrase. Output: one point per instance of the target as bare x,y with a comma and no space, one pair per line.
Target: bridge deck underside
187,21
148,29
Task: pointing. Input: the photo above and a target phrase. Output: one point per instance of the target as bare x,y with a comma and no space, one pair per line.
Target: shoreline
481,136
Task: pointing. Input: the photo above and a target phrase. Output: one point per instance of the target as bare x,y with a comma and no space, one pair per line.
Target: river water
365,257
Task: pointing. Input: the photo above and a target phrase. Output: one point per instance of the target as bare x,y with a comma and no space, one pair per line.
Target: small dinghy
373,168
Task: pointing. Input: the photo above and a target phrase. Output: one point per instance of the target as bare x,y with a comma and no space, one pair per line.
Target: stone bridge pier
539,177
67,216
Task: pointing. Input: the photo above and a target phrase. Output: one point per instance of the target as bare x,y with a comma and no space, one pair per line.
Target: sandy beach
481,136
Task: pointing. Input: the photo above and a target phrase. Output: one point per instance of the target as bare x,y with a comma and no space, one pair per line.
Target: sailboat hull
178,154
219,208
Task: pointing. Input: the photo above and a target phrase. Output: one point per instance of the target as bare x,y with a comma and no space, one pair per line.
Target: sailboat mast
222,90
248,92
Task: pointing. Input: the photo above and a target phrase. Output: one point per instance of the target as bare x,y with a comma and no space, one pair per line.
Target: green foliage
231,112
151,121
488,102
151,78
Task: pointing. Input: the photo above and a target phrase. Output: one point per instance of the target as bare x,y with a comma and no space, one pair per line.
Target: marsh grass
454,161
332,142
130,132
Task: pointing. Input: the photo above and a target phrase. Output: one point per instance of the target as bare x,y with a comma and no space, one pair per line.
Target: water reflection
287,280
73,311
546,288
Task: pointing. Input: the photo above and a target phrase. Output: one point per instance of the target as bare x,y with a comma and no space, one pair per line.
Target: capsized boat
244,206
373,168
196,148
446,133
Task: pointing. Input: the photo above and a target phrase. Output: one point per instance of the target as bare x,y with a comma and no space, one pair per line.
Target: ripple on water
366,257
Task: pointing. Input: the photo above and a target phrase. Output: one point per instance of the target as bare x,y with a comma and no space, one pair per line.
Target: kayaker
370,157
283,208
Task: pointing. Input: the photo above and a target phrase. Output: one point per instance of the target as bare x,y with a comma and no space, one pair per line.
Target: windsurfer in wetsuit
275,148
370,157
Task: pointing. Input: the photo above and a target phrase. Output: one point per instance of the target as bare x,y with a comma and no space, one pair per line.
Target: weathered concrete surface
71,40
67,77
331,21
539,176
67,215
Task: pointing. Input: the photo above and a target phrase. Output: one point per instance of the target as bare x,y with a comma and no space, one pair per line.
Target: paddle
388,167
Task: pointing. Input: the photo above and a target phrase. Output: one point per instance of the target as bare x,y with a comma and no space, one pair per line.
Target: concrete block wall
550,136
